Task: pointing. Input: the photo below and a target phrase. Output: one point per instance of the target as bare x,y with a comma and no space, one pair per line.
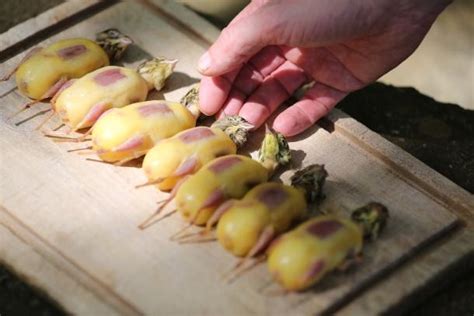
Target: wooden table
69,226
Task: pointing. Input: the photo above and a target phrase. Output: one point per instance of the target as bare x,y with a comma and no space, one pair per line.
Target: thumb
237,43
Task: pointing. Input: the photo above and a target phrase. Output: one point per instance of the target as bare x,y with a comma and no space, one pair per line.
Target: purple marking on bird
72,51
223,164
108,77
154,108
272,197
196,134
324,229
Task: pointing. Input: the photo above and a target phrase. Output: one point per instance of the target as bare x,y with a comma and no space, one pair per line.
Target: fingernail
204,62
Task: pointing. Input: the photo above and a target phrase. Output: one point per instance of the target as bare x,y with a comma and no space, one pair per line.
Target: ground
439,134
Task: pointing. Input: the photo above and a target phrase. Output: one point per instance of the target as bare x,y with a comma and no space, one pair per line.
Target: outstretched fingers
327,66
250,77
213,92
317,102
228,92
275,89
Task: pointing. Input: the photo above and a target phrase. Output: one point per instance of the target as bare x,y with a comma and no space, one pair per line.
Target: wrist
392,12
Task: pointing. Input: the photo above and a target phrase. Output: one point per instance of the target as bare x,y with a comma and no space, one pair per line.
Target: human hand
273,46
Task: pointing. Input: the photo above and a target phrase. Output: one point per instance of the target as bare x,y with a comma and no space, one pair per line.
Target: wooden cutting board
69,226
46,23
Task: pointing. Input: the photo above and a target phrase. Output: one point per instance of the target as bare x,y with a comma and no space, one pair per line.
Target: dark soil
17,11
439,134
442,136
17,298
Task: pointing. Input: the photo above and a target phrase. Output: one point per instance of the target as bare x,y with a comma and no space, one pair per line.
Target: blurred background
427,112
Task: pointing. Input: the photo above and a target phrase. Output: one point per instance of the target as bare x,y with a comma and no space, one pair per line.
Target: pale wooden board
30,257
86,214
418,279
45,20
432,268
188,21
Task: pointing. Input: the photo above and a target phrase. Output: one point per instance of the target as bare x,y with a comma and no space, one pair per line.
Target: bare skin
274,46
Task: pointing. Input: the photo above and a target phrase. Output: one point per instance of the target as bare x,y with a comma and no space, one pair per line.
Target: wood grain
26,33
443,262
80,217
431,268
32,261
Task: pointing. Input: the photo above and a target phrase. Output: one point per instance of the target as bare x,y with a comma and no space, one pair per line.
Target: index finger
213,92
